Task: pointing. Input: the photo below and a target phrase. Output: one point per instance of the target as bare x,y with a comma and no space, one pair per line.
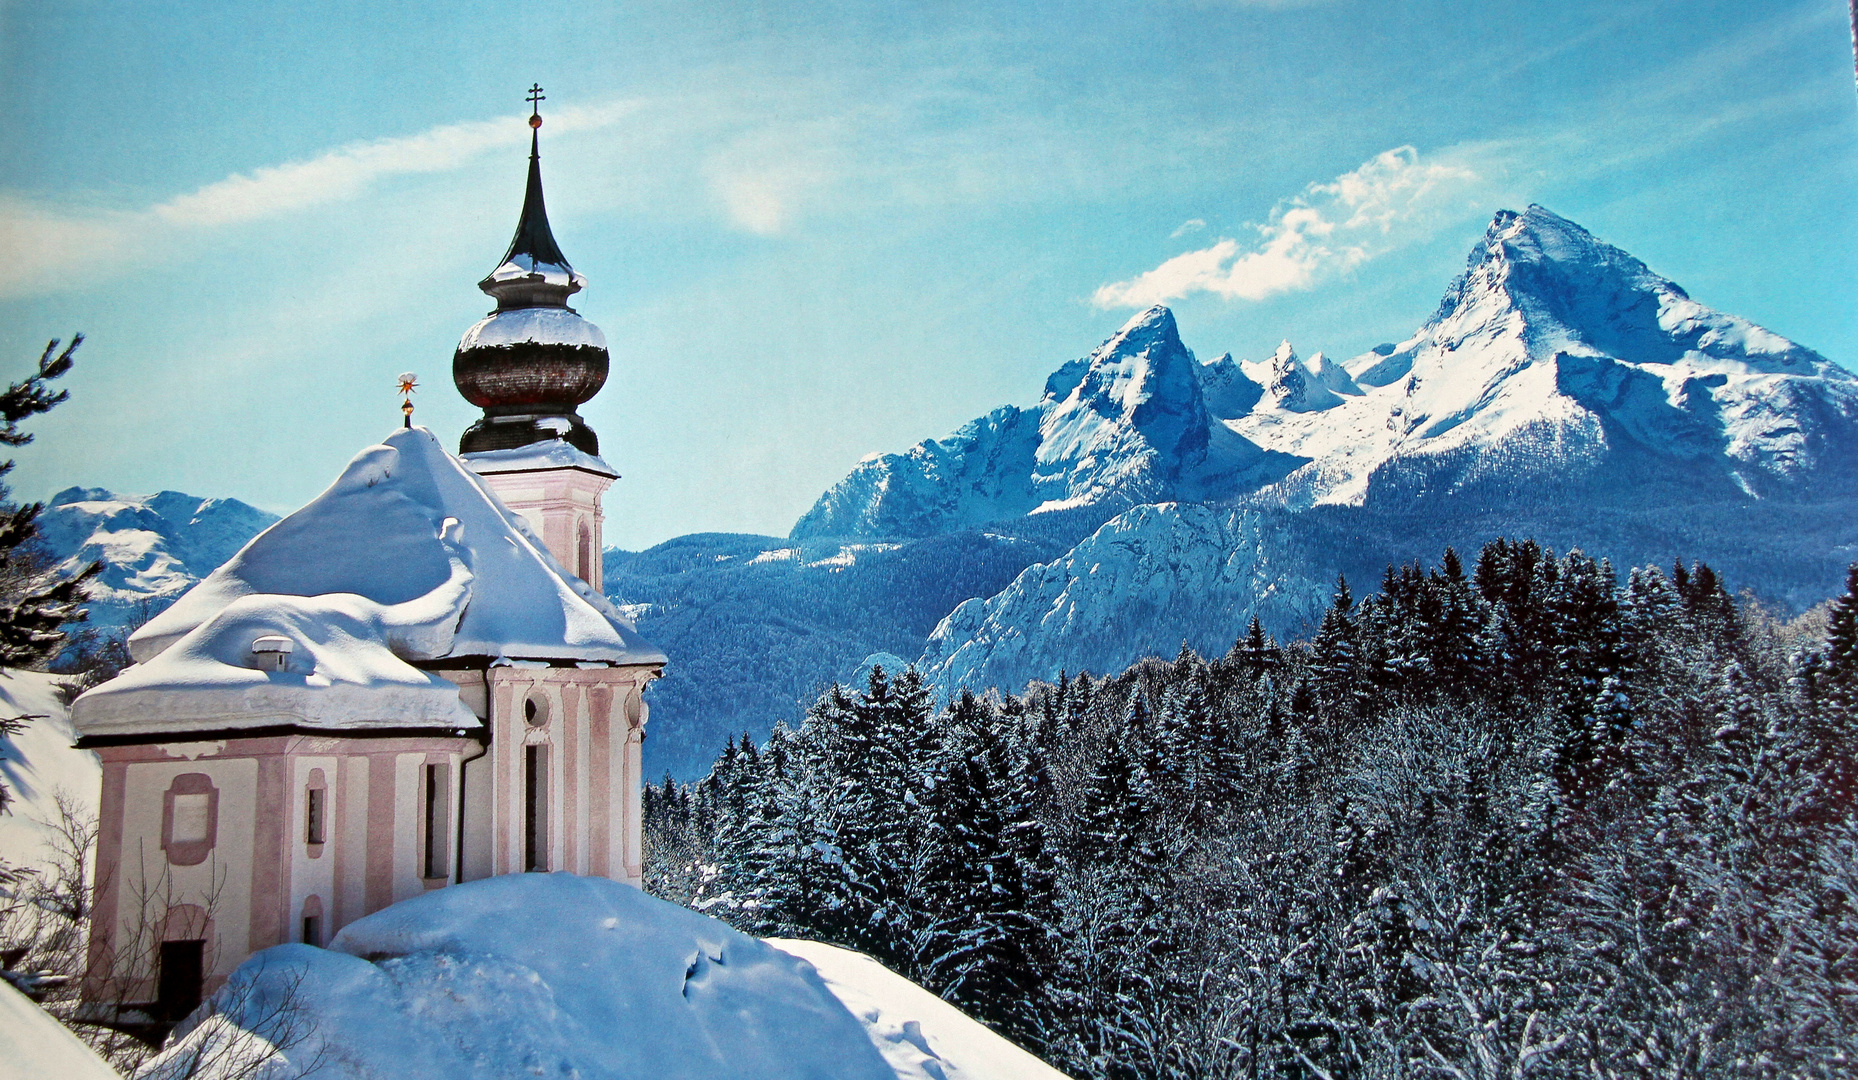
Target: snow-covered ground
39,763
33,1046
558,975
920,1035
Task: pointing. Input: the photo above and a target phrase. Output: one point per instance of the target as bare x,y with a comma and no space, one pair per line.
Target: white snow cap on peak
1152,317
1291,385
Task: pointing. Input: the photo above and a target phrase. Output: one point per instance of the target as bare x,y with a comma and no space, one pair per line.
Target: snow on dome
523,266
458,983
548,454
536,325
390,530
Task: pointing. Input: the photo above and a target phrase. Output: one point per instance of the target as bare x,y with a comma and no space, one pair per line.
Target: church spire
534,272
533,361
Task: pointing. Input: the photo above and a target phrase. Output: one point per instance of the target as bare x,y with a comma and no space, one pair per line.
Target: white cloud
765,178
48,248
1391,200
1191,225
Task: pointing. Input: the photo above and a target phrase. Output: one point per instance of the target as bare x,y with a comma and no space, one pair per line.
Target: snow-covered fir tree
1526,820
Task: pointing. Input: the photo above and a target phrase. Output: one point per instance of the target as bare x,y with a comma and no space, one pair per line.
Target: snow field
558,975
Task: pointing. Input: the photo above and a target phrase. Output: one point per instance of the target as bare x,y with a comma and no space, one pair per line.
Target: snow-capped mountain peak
1565,357
1135,419
1554,357
1294,385
1124,424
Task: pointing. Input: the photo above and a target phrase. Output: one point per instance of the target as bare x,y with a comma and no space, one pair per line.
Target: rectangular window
313,816
438,831
535,808
312,930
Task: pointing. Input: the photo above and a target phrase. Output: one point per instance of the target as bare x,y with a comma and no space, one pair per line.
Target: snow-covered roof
547,454
407,557
347,669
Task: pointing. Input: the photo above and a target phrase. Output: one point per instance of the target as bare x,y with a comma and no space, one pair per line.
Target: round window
535,710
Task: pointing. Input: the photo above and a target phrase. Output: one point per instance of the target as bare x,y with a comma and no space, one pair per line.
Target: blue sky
815,231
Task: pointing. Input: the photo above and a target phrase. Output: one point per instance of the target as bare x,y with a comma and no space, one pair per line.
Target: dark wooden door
183,974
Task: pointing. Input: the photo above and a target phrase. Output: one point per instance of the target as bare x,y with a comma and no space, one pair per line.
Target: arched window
315,812
584,554
312,920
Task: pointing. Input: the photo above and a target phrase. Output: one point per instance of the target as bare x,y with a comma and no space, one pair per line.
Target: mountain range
1562,390
153,547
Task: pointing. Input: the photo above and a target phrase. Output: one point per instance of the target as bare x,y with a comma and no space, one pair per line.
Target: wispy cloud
1191,225
1391,200
47,248
764,177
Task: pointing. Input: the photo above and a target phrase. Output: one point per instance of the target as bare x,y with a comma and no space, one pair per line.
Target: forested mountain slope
1521,817
755,625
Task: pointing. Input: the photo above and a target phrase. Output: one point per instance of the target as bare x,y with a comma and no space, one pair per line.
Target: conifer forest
1518,819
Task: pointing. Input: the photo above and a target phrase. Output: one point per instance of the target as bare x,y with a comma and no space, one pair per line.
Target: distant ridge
153,547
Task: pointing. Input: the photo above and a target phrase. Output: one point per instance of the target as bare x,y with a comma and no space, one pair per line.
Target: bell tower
529,364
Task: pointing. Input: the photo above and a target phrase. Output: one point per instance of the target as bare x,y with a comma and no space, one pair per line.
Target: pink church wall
591,735
259,873
559,504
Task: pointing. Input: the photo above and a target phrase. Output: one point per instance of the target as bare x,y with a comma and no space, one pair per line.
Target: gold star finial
409,382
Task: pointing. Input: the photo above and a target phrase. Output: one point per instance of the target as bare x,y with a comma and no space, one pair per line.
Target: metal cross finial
535,97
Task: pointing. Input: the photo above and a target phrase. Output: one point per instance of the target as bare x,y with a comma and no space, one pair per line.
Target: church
412,681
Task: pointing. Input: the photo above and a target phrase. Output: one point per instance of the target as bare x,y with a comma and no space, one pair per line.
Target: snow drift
540,975
919,1034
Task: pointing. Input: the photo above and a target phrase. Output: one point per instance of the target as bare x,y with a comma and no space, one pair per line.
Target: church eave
265,731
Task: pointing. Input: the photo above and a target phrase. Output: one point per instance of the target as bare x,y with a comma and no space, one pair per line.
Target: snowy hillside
1196,568
756,626
921,1036
39,765
153,547
457,983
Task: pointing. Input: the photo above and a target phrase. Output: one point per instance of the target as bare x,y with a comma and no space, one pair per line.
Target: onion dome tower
529,363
